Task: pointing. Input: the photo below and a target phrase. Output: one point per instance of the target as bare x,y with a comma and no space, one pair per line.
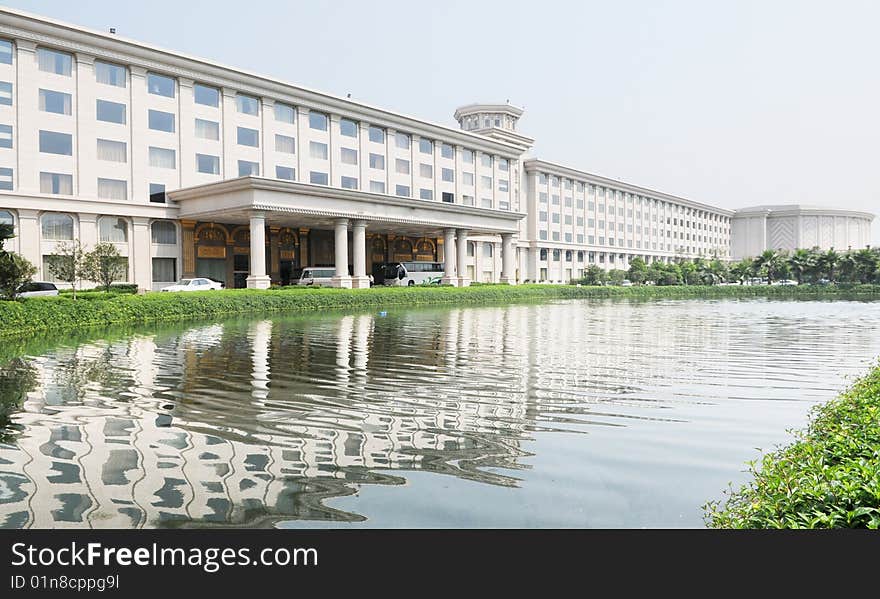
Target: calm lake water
571,414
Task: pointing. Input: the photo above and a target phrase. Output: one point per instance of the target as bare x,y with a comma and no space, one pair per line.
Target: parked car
312,275
626,283
197,284
785,282
38,289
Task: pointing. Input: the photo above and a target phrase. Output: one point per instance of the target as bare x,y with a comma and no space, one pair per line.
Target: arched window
57,227
470,249
6,218
568,255
543,253
556,255
487,250
164,232
113,229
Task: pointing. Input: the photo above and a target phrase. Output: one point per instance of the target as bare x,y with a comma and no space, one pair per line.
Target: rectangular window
248,137
448,175
486,160
51,61
163,158
503,186
402,140
52,142
56,184
5,93
113,151
555,218
402,190
467,200
285,114
486,202
318,178
401,166
6,179
164,270
285,144
377,135
247,105
285,172
110,112
208,164
426,146
349,183
377,161
318,150
318,120
207,129
160,85
467,156
542,217
5,52
248,169
161,121
448,197
377,186
447,151
348,156
5,136
348,128
112,189
504,165
426,194
206,95
467,178
426,171
56,102
110,74
486,182
157,193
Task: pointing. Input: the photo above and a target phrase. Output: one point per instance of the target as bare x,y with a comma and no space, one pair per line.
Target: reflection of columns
359,279
344,331
260,337
141,249
274,254
257,278
461,250
507,259
449,271
341,279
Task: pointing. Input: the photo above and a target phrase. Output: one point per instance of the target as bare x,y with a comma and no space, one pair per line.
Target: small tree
594,275
15,272
104,265
638,271
68,263
616,276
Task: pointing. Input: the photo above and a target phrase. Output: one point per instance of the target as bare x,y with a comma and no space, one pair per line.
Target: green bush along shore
35,315
829,477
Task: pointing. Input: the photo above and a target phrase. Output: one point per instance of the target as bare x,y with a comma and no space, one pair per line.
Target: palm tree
865,264
742,270
828,261
771,262
800,262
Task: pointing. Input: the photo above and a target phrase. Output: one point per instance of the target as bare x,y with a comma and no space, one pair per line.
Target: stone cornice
535,164
72,204
42,31
780,211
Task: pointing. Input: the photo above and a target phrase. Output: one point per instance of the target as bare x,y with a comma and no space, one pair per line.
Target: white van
407,274
312,275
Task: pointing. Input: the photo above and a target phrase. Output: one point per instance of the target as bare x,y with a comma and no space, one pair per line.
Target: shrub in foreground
828,478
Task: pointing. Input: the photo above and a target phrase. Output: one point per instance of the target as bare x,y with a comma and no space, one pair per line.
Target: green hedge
40,314
828,478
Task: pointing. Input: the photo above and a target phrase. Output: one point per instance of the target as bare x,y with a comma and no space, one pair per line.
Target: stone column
341,279
303,248
359,255
28,238
461,250
449,277
508,273
141,250
258,278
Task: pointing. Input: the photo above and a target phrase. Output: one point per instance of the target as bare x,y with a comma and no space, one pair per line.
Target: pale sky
729,103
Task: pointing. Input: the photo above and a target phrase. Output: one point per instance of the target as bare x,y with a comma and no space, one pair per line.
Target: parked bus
408,273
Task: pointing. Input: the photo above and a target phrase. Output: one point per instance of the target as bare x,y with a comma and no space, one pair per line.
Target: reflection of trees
17,378
90,366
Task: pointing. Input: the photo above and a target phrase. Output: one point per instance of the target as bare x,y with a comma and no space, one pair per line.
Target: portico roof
287,203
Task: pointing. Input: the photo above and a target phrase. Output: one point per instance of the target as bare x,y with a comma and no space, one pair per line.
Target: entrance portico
295,213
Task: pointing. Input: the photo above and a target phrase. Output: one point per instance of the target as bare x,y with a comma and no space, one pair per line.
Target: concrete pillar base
342,282
464,282
360,282
449,281
507,280
258,282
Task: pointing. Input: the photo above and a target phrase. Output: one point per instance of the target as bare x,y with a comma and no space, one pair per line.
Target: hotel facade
196,169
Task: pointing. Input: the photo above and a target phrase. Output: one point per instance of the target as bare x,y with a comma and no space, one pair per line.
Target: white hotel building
197,169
